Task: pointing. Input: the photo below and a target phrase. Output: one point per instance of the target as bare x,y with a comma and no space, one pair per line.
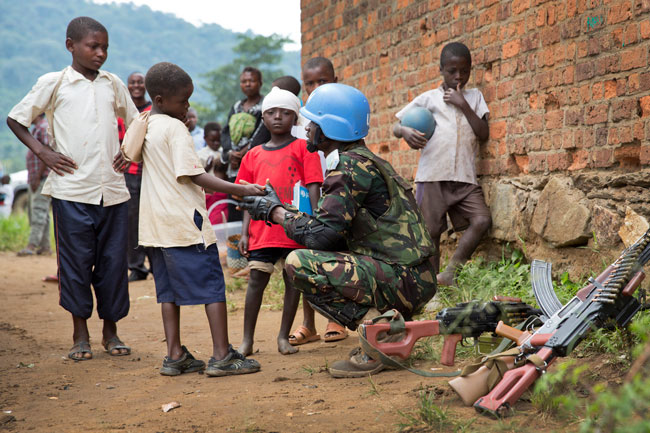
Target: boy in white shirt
174,221
446,176
88,193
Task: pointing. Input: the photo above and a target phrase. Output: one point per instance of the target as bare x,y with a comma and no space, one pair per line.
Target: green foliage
222,83
14,232
32,43
623,411
554,392
510,276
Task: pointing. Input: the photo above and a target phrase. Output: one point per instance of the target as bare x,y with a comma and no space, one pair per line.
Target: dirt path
46,392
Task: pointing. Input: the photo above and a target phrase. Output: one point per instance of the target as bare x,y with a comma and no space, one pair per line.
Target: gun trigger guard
464,343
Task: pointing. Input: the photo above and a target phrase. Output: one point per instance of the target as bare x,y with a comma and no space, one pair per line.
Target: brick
644,29
623,109
644,155
554,119
574,116
610,89
628,156
580,160
558,161
644,104
596,114
537,162
511,49
533,122
634,58
498,130
603,158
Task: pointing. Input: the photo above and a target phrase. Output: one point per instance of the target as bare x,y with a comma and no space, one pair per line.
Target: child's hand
248,189
58,162
414,138
120,163
242,246
454,97
208,164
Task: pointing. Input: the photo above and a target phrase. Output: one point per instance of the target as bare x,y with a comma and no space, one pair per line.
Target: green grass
432,416
14,232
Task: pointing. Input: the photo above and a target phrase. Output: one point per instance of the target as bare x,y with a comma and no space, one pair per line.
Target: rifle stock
609,298
455,323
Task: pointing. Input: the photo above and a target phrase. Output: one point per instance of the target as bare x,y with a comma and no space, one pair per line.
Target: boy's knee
482,223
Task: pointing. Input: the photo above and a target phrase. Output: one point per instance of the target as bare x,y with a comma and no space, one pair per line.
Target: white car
19,186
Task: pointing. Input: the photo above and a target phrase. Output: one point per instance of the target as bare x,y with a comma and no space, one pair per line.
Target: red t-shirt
284,166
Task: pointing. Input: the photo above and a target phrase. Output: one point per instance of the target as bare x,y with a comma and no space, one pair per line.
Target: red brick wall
564,96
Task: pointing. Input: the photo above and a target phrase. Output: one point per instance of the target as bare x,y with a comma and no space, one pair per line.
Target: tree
261,52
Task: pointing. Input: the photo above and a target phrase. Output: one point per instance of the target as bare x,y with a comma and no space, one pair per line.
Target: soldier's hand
260,207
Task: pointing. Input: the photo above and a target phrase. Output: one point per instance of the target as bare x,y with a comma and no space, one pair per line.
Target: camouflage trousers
39,218
343,276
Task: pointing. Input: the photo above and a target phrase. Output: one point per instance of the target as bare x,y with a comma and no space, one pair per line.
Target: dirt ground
42,390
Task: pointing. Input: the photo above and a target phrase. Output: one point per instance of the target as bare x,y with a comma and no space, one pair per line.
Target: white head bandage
278,98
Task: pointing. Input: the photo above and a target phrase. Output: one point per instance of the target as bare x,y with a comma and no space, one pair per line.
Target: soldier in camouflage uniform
367,244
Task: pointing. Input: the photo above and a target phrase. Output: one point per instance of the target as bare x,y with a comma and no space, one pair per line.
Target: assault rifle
469,319
609,296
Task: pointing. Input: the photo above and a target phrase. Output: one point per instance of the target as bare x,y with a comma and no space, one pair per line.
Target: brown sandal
302,335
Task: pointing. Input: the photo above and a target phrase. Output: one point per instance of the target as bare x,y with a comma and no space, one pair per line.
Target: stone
605,225
633,227
561,216
506,203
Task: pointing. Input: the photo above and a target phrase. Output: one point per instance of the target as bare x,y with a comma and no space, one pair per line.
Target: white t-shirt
171,205
450,153
85,129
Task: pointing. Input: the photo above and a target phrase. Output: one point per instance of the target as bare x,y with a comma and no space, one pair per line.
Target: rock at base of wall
562,217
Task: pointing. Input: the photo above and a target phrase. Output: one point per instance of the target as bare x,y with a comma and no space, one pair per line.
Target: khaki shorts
460,200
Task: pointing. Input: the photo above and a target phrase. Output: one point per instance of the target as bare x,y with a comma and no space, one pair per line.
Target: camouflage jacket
366,203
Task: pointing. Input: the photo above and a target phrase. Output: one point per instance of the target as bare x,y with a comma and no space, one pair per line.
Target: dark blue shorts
188,275
91,249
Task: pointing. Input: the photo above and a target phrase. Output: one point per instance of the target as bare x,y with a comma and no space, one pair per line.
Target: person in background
244,128
133,178
210,157
195,130
315,72
39,204
6,196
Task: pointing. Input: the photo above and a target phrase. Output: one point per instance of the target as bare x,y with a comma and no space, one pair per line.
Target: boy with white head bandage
283,161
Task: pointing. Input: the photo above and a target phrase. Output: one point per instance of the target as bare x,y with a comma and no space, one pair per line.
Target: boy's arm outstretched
213,183
479,126
58,162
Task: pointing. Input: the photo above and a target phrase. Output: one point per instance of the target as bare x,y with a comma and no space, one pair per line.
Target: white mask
332,159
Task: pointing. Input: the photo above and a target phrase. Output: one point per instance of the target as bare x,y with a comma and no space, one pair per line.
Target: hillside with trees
32,42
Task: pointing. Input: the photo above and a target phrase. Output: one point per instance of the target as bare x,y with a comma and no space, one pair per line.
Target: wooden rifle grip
449,349
511,333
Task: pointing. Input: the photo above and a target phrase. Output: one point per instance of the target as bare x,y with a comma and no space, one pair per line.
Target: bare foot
245,348
446,278
285,348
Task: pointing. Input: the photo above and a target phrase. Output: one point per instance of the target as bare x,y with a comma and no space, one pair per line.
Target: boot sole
344,374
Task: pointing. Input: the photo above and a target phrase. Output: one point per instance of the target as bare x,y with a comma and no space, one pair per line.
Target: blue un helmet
342,112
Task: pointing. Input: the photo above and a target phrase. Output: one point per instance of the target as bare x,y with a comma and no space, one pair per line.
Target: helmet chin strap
312,146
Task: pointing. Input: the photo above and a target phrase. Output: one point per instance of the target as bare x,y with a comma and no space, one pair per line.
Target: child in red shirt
284,161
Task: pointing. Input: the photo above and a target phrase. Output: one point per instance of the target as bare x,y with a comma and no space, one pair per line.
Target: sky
263,17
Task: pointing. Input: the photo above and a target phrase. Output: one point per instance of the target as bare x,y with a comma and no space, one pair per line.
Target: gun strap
377,354
497,365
